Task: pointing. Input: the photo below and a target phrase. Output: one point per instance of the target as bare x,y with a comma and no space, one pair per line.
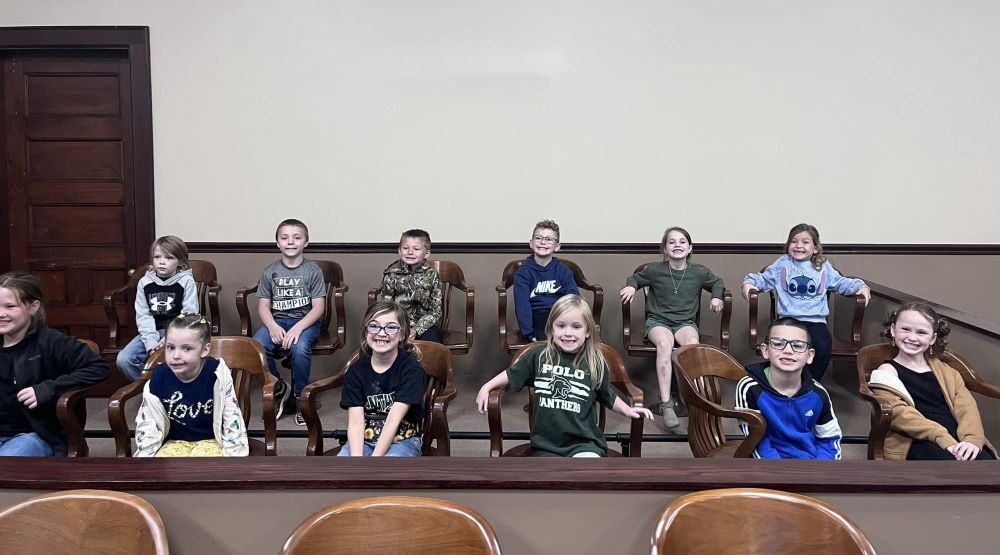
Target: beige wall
614,118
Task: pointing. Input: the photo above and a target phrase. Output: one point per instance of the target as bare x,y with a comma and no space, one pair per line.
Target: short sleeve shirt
403,382
291,290
565,409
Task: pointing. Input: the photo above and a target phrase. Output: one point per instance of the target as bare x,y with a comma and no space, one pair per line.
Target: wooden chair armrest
307,398
439,421
470,314
627,323
114,324
69,411
116,414
753,300
881,419
341,313
214,289
268,412
857,321
373,294
598,303
502,315
755,422
495,422
983,388
241,307
725,320
632,396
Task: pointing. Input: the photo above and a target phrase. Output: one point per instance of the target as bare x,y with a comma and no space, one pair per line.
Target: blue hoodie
802,426
801,288
537,288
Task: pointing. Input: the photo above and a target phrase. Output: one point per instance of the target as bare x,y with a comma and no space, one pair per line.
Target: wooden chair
326,343
246,358
376,525
71,410
437,362
755,521
842,350
640,346
511,339
700,368
872,356
82,521
620,380
119,304
458,340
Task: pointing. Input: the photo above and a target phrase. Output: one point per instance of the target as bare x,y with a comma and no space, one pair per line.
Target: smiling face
413,251
383,333
164,263
677,246
569,331
786,359
802,246
15,318
912,333
544,242
292,240
185,353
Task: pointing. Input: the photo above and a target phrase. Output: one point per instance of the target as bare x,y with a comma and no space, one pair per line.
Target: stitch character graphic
802,286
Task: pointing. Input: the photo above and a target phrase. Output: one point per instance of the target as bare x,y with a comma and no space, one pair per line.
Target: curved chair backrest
82,521
755,521
412,525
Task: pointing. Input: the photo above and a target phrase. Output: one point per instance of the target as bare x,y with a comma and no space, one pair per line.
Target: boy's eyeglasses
389,329
544,240
779,343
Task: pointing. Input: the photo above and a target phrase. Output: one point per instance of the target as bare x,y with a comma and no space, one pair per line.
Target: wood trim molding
604,248
514,473
954,316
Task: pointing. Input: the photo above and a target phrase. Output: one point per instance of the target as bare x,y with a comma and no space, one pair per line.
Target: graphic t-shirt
403,382
565,409
291,290
188,405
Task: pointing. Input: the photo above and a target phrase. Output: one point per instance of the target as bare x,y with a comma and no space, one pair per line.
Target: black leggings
822,343
929,451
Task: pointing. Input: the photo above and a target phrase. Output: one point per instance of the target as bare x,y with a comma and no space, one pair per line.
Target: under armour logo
161,305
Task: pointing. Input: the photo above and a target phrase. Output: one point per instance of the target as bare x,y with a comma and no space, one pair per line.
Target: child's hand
277,334
716,305
27,397
291,338
866,293
155,348
482,399
747,288
627,293
964,451
639,412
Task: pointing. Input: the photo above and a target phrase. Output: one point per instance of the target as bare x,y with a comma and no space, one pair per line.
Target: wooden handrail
954,316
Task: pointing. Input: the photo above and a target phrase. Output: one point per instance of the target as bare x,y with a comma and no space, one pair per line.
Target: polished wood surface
400,524
619,379
71,410
636,344
701,367
755,521
511,339
88,522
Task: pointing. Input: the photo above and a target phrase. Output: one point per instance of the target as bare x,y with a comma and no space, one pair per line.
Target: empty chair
382,525
701,369
89,522
755,521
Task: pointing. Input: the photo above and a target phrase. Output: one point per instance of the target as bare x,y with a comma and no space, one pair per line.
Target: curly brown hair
938,323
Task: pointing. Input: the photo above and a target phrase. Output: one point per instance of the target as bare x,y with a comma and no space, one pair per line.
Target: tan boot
667,409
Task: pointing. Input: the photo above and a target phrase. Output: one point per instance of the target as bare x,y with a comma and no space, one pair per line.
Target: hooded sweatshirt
158,301
537,288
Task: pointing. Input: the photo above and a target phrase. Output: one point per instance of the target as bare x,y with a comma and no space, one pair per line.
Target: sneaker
670,421
299,419
281,396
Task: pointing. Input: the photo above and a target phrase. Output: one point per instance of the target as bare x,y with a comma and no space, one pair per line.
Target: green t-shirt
680,307
565,411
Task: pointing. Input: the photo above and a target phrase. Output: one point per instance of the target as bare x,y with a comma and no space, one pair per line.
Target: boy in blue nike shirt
800,419
540,281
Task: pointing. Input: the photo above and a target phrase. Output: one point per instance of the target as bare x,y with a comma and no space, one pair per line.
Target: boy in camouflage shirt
415,285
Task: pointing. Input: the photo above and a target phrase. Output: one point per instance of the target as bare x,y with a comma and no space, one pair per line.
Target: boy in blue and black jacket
540,281
800,419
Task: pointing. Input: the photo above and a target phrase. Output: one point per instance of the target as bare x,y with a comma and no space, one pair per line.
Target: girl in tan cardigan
934,417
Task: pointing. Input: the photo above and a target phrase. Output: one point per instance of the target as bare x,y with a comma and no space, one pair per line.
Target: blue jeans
411,447
132,358
300,352
24,445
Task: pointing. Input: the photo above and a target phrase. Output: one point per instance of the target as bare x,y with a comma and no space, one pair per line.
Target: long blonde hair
590,354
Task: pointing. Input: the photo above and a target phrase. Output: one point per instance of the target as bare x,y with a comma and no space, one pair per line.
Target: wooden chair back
619,380
511,339
82,521
251,378
438,365
755,521
412,525
328,342
458,340
71,410
702,369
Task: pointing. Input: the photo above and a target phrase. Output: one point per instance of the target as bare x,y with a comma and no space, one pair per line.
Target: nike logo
545,288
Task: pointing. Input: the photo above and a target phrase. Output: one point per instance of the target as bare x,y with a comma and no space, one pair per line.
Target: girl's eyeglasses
779,343
389,329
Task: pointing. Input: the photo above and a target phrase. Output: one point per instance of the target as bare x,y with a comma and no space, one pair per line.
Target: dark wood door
69,180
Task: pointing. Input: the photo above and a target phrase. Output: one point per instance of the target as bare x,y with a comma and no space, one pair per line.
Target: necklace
676,284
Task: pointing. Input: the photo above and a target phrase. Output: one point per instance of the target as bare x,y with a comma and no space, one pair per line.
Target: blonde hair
173,246
590,355
389,307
